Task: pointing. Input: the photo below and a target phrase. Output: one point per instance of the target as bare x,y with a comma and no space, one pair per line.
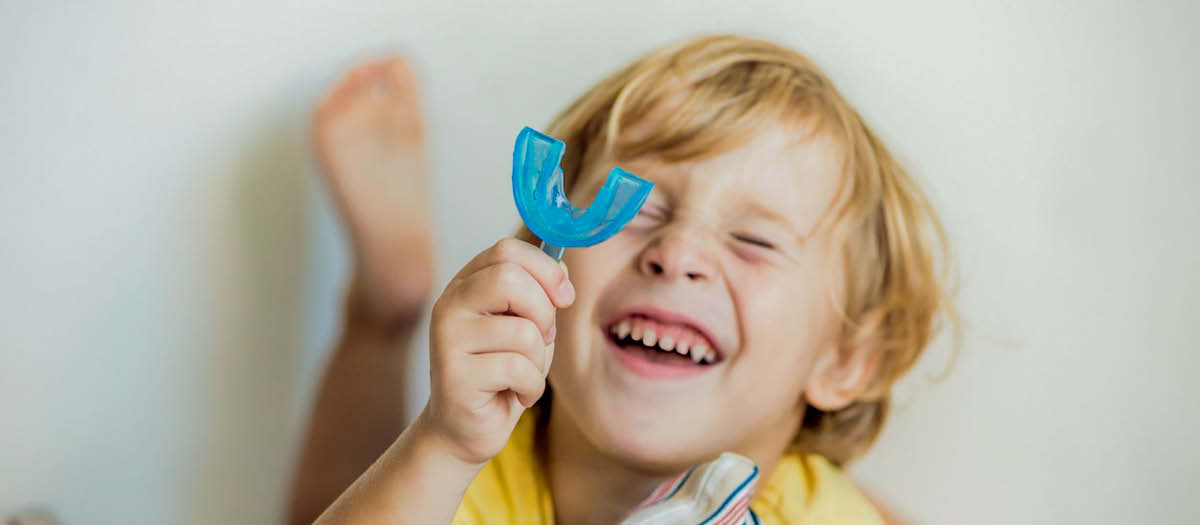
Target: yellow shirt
803,489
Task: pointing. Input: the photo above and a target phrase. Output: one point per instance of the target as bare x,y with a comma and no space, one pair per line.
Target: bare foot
371,144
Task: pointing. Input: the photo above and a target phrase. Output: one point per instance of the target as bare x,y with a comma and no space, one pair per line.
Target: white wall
170,268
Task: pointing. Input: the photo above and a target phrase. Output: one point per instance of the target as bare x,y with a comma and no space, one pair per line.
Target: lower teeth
665,356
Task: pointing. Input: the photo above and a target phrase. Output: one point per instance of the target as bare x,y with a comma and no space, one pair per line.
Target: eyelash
754,241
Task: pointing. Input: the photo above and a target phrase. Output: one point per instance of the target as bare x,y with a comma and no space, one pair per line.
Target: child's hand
491,344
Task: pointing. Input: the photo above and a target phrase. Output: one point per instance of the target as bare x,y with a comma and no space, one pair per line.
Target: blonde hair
720,91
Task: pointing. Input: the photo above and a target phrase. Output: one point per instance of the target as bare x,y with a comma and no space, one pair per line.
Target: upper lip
671,317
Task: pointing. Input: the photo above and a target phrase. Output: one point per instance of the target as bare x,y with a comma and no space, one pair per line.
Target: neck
587,486
590,487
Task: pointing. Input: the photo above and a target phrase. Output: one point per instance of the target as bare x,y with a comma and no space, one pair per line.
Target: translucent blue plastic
538,191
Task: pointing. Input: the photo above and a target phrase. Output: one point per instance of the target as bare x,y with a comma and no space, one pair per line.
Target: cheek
592,271
595,268
786,323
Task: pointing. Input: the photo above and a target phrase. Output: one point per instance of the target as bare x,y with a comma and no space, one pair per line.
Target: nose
677,254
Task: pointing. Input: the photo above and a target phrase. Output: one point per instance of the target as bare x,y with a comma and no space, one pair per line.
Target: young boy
782,275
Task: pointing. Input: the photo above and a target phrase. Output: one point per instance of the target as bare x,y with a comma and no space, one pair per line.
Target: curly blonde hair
720,91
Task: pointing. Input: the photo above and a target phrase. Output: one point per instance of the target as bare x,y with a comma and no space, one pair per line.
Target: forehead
788,171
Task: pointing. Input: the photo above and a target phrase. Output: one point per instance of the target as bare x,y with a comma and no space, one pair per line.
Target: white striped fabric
713,493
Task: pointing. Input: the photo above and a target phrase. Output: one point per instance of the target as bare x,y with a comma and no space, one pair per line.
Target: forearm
359,411
417,480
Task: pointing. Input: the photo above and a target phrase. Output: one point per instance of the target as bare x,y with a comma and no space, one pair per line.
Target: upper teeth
650,338
622,329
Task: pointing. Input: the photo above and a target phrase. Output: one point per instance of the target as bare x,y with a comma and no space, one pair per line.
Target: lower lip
633,361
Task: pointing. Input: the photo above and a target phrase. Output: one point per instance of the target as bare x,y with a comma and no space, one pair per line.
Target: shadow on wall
240,471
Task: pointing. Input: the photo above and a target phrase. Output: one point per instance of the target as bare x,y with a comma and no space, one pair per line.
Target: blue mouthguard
537,182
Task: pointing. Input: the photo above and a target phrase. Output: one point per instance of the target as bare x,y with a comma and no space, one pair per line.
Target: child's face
726,254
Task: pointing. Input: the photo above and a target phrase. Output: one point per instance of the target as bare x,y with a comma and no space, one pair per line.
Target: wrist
430,443
417,480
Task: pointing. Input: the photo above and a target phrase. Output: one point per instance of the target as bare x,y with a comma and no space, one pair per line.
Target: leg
371,145
368,136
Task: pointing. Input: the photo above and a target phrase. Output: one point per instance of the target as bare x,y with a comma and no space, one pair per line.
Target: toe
352,84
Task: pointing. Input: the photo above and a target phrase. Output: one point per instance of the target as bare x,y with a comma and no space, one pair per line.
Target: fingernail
566,291
552,333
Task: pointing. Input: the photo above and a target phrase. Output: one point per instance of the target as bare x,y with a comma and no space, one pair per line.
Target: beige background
170,266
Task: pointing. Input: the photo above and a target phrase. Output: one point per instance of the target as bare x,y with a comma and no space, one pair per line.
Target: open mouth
659,342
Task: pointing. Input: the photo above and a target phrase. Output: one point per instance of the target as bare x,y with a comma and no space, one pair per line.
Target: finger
506,288
549,274
504,333
500,371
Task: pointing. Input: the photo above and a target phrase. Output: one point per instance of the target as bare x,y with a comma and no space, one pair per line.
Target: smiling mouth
662,343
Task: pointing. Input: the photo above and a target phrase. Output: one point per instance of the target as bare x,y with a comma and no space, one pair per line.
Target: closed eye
648,217
753,241
651,213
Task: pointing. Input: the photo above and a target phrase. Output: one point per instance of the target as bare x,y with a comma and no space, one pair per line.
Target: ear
840,375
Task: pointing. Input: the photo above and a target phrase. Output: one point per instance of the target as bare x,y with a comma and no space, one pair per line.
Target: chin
660,438
664,452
